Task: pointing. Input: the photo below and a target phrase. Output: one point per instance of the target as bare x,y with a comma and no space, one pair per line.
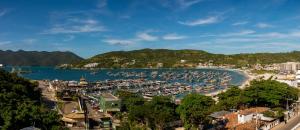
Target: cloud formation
187,3
173,36
201,21
5,42
240,23
119,41
74,25
145,36
264,25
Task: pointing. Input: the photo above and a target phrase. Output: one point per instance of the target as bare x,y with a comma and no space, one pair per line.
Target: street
290,124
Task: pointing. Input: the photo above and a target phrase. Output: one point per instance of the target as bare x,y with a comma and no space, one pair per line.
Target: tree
129,99
269,93
20,104
194,110
161,112
231,99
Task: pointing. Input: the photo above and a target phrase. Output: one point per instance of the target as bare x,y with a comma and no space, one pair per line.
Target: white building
91,65
182,61
289,67
298,78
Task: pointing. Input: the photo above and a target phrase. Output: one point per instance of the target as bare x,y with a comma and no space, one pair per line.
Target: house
74,119
250,119
91,65
248,114
109,103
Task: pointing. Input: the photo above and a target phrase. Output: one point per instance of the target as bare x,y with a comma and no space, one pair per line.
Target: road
290,124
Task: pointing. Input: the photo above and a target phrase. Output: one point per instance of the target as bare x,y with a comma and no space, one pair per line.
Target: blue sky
89,27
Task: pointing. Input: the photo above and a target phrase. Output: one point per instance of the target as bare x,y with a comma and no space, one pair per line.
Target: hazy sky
89,27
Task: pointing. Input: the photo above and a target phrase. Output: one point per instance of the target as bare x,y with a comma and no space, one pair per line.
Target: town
98,105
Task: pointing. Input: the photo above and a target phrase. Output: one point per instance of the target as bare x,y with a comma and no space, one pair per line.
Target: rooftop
253,110
109,97
219,114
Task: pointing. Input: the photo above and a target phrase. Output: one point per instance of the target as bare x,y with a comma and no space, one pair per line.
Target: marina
147,82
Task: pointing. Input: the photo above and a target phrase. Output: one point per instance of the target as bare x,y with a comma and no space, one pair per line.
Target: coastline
243,83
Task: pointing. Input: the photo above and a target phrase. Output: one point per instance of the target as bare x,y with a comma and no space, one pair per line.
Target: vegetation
171,58
34,58
154,114
264,71
265,93
195,108
20,105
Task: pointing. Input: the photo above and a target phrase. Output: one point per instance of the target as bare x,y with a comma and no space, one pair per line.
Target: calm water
50,73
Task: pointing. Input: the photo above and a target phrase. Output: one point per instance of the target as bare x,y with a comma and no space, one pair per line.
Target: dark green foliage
269,93
264,93
171,58
194,110
231,99
154,114
20,105
129,99
161,111
34,58
275,113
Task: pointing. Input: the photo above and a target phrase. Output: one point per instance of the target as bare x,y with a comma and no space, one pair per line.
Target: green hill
35,58
171,58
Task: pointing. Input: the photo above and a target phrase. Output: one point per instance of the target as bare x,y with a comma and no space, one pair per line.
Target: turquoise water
51,73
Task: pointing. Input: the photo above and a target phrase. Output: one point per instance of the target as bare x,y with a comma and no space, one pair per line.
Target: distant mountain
174,58
36,58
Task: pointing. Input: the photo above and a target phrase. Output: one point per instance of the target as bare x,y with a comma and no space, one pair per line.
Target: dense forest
35,58
21,106
171,58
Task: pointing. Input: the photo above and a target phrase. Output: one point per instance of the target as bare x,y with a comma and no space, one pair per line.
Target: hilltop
174,58
37,58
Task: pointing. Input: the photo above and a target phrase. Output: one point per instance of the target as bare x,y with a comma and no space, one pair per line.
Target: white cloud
240,23
173,36
76,26
5,42
119,41
263,25
145,36
241,33
187,3
208,20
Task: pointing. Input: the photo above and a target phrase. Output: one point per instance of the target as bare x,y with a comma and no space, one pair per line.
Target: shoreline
242,84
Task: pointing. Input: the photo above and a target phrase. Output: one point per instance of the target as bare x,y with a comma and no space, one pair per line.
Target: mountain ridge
37,58
144,58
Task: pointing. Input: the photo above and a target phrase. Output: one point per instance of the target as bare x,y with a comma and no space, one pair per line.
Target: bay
51,73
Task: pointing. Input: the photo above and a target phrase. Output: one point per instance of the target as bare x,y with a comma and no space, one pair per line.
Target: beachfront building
109,103
298,78
91,65
289,67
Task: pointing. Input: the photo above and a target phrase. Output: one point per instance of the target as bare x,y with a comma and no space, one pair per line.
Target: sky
90,27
